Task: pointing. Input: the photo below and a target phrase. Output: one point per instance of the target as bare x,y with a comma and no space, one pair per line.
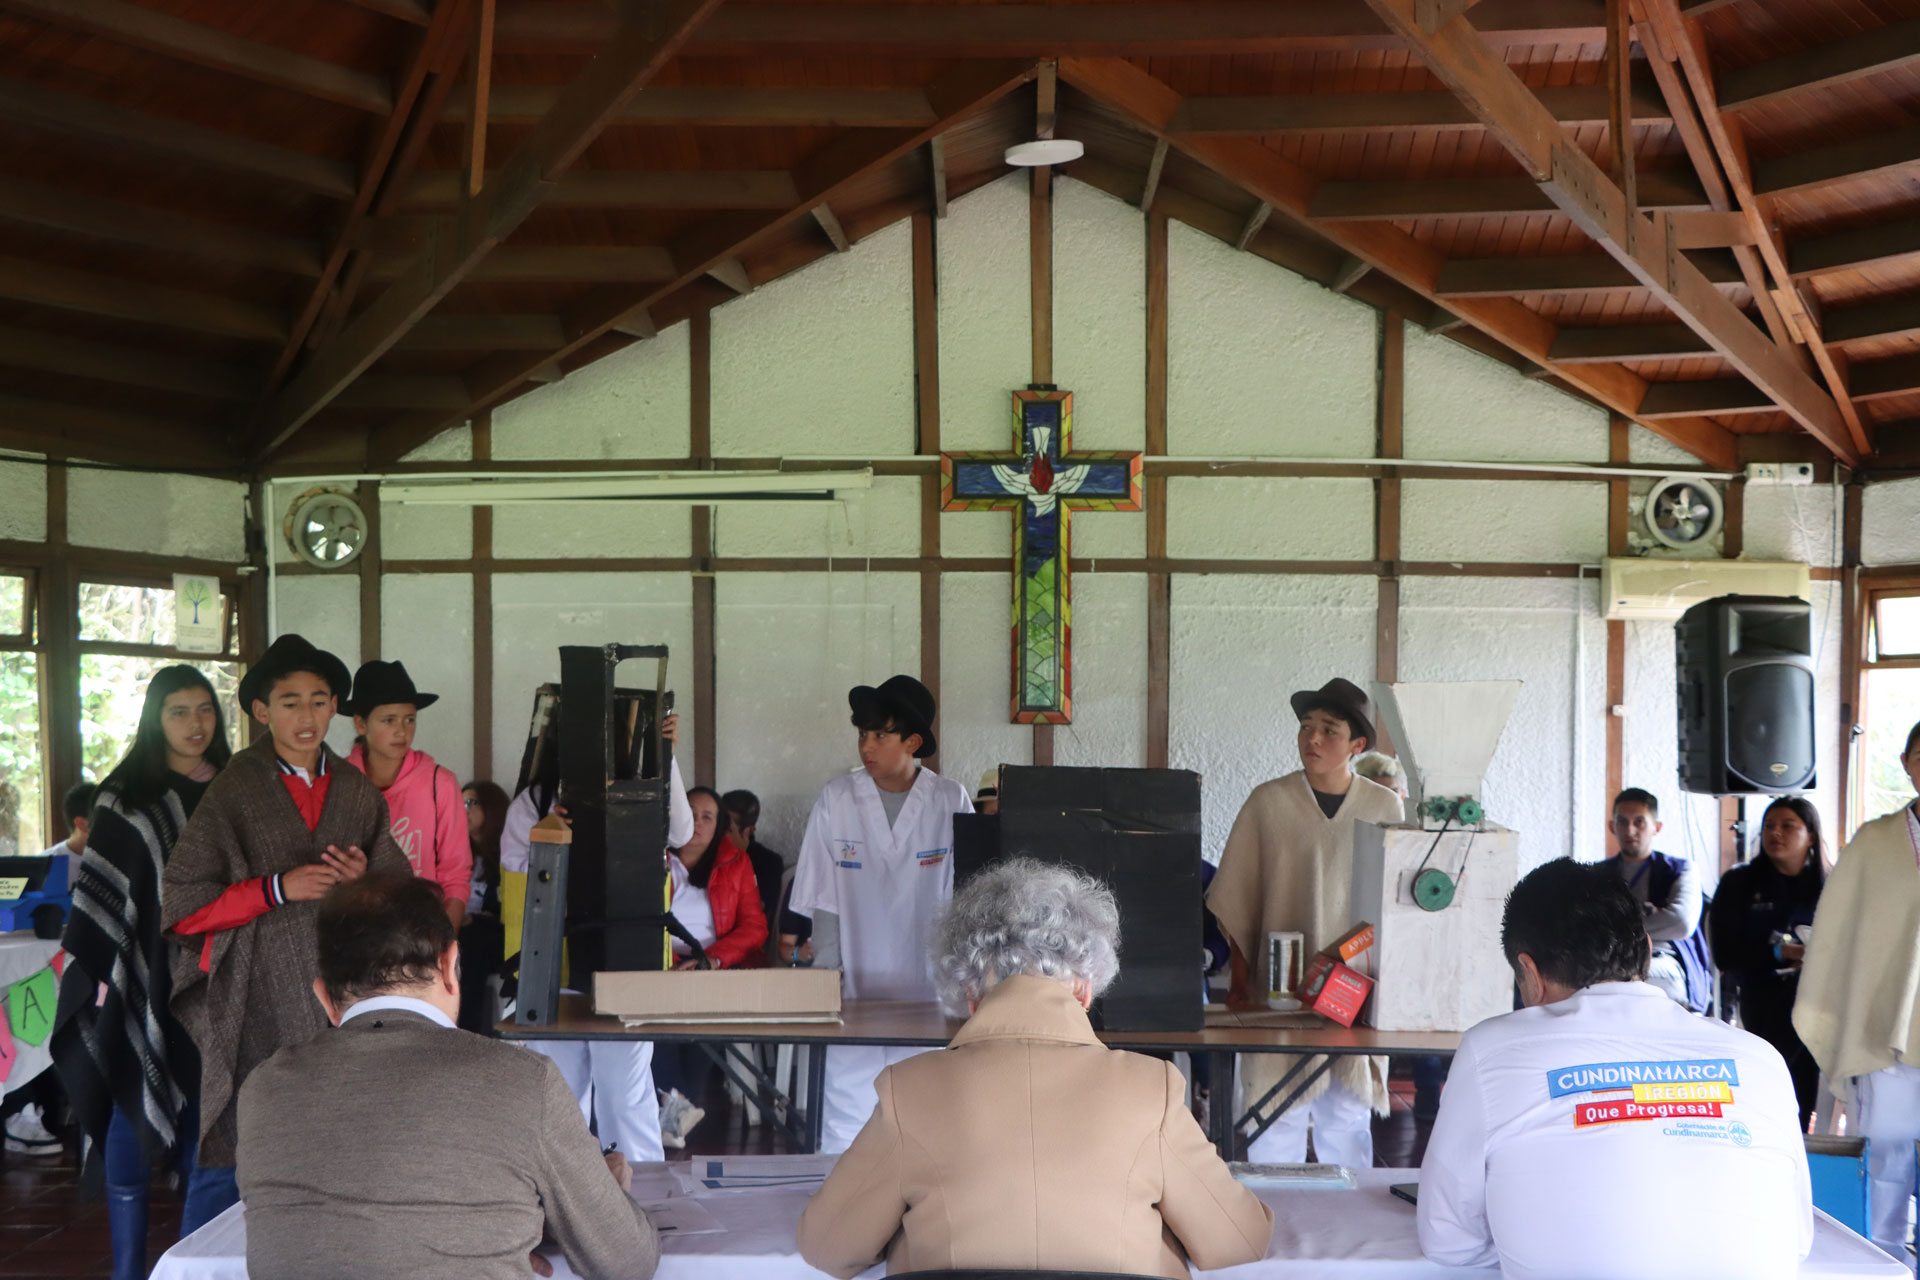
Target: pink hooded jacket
429,821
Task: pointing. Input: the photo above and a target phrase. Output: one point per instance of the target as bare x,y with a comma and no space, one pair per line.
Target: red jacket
739,922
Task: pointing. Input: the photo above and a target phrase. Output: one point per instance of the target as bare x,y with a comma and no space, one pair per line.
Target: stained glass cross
1042,481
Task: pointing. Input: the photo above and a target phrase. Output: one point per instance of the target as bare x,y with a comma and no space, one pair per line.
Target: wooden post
1618,428
926,380
483,609
700,442
368,494
1159,581
1040,236
1392,402
58,614
1853,650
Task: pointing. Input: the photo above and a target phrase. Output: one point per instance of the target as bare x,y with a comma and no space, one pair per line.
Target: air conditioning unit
1648,589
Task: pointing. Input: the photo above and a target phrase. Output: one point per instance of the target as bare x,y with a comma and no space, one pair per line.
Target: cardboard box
1342,992
719,995
1352,942
1316,976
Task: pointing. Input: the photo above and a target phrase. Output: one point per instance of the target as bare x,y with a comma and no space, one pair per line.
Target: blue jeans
210,1193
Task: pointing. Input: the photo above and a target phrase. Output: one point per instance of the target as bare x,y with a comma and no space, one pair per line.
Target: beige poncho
1287,866
1860,987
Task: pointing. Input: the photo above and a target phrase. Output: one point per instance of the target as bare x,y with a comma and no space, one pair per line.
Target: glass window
1893,708
1896,626
22,807
113,690
13,607
118,614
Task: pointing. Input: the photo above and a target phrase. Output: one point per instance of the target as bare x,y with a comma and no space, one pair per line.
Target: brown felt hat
1345,699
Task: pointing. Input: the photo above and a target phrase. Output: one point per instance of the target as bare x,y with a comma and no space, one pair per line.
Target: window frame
153,582
1903,582
29,637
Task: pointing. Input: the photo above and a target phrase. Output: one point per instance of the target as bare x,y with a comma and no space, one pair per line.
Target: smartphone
1408,1191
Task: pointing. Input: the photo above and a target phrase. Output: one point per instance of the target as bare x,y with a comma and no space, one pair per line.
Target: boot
127,1225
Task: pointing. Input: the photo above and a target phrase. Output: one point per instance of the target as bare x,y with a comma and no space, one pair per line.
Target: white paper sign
199,613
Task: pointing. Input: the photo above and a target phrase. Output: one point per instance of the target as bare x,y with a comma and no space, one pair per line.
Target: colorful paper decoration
30,1004
8,1054
1042,482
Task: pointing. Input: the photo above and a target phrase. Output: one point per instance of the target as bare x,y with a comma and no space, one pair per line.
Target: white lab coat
516,833
1542,1157
886,884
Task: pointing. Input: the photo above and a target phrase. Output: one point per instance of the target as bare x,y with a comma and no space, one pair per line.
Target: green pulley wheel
1439,809
1469,812
1433,890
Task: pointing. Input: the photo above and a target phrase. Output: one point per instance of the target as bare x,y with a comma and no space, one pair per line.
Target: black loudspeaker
1746,687
1138,831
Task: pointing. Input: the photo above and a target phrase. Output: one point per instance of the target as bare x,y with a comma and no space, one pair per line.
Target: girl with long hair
1759,913
482,938
131,1073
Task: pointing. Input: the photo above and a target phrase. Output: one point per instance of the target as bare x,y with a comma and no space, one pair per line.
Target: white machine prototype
1434,887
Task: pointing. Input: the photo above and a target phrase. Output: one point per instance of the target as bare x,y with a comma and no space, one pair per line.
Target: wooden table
922,1023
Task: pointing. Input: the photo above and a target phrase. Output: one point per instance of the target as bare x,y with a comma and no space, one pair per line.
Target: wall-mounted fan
326,528
1683,512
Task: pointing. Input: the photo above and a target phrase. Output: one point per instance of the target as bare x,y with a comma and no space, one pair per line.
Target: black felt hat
902,699
1345,699
378,683
288,654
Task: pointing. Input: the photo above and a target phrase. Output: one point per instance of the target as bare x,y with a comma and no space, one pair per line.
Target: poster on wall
199,613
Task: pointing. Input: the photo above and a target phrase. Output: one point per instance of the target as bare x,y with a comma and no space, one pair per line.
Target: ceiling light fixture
1043,151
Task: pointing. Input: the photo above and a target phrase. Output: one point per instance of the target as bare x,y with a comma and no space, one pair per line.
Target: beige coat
1860,987
1028,1144
1289,867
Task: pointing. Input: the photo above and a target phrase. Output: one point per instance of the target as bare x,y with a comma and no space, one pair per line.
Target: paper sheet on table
733,1175
681,1216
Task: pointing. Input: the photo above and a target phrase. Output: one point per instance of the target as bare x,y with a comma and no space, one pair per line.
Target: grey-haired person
1113,1174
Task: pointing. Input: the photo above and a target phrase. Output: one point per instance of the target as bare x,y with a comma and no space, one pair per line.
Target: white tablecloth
1318,1235
21,956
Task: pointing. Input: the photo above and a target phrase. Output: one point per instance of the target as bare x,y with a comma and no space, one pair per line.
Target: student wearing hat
1287,866
280,825
876,856
423,799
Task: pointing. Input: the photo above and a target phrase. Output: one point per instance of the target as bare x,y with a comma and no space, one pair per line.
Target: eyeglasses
468,802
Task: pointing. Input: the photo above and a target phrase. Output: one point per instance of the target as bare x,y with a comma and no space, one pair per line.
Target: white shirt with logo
886,881
1614,1134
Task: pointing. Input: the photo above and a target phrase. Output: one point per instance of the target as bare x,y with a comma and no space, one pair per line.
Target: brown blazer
395,1146
1028,1144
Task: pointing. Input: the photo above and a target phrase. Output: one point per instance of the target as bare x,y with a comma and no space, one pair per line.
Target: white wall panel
426,622
1262,361
633,404
534,614
586,530
881,521
425,531
455,444
820,361
1109,674
788,646
1643,446
154,512
976,676
986,314
1514,521
1792,522
1269,518
23,501
1241,645
1890,523
325,608
1463,405
1539,631
1100,314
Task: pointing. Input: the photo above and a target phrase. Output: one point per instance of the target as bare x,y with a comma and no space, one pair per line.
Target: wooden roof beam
1136,95
1842,160
1251,227
125,366
403,391
1515,118
1398,112
1882,378
486,332
1562,273
831,228
1155,168
1626,342
169,233
1896,318
413,11
629,189
1164,28
596,264
1393,200
937,162
209,46
1881,243
46,285
962,90
637,50
52,425
728,108
31,104
1713,397
1865,53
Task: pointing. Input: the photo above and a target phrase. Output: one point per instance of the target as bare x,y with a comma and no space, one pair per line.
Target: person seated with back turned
1028,1144
361,1148
1597,1084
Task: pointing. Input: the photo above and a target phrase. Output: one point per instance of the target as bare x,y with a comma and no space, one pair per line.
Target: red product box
1341,994
1318,967
1352,942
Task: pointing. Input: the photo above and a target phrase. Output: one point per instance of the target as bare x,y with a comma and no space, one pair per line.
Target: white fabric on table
21,956
1364,1234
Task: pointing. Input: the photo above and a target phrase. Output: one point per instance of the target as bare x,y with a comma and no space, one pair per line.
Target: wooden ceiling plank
484,333
1562,273
741,108
1046,30
1137,95
171,233
402,391
126,366
965,88
1626,342
1882,378
1875,245
558,264
31,104
635,53
1873,320
1585,193
630,189
46,285
34,423
1799,318
1397,199
1710,396
1397,112
1865,53
1838,161
208,46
